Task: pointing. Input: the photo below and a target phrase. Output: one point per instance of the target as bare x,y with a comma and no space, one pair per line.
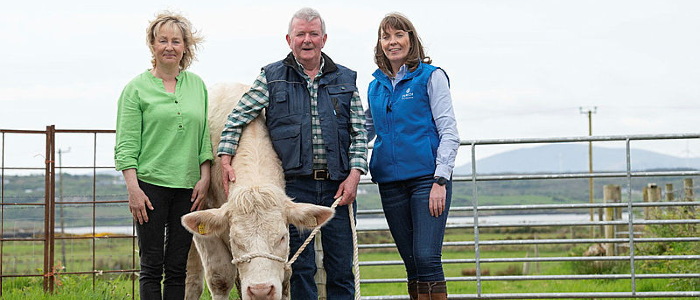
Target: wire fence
116,253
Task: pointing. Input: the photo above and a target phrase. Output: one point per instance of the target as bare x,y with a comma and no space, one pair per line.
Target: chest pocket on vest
340,96
279,104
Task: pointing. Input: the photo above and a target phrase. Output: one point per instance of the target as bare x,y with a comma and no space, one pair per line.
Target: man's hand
227,173
348,188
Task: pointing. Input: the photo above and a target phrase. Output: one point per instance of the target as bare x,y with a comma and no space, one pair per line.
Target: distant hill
559,158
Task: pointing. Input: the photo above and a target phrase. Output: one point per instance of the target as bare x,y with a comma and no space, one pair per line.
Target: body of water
380,223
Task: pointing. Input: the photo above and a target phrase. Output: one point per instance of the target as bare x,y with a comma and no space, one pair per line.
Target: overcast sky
517,68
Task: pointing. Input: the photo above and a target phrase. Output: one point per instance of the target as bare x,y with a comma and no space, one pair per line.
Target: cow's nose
261,291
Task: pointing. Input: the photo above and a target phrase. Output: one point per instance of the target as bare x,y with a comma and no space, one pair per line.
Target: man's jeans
417,234
336,238
164,243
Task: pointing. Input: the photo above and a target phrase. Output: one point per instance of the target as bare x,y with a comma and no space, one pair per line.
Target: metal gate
629,240
50,270
48,239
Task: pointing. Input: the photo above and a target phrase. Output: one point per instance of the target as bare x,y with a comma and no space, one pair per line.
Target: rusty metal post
49,200
94,208
2,206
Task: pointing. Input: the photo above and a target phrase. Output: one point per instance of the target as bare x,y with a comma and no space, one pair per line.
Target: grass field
115,254
120,287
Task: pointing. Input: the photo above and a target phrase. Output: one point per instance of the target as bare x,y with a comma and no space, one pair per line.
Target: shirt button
178,113
180,126
342,87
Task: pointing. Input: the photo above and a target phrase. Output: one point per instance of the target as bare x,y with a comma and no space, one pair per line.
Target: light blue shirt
443,114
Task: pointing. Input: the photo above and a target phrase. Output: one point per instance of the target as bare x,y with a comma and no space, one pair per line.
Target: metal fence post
630,228
49,201
475,202
2,205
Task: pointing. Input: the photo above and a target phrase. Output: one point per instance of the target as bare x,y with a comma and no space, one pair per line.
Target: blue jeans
417,234
164,243
336,238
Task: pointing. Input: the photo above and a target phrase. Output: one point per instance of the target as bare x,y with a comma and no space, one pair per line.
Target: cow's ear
303,215
209,222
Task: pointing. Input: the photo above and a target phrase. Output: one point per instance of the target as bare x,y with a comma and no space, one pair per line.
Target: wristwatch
441,181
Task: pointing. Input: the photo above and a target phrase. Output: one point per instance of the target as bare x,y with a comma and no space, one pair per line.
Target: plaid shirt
257,98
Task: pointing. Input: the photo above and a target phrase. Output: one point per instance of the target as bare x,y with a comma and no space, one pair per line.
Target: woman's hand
199,193
138,201
438,193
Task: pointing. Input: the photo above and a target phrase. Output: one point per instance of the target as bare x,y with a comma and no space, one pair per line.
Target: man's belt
321,174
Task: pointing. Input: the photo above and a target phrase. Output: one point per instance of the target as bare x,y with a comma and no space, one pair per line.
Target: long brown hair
416,54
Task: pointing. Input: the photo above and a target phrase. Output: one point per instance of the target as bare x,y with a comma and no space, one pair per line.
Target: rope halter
247,257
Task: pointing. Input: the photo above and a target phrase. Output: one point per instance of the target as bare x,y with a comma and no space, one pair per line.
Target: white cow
245,239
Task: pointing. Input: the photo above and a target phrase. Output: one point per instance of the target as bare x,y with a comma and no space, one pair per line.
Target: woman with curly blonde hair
164,152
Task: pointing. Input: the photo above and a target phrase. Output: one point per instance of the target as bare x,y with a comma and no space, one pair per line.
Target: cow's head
256,220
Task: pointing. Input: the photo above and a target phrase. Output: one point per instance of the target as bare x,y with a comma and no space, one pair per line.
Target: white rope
355,258
355,254
247,257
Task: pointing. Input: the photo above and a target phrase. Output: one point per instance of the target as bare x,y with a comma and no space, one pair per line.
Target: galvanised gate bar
48,240
629,240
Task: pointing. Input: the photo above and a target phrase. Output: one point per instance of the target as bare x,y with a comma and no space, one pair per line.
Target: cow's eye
239,246
282,240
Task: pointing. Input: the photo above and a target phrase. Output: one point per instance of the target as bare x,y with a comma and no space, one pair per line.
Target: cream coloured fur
253,219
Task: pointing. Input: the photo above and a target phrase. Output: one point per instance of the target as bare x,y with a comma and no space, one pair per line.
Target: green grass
68,287
461,287
115,254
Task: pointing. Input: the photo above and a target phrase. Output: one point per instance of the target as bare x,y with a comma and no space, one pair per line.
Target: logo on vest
407,95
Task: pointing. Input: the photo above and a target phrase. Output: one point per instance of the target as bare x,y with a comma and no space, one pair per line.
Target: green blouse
164,136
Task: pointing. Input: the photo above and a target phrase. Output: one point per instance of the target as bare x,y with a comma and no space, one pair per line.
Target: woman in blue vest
410,111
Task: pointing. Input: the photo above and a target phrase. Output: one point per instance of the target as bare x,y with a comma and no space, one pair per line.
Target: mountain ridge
570,158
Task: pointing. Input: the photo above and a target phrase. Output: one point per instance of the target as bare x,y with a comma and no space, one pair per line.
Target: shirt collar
403,70
300,67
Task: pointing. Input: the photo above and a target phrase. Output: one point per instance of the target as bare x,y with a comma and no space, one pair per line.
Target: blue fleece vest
289,116
407,138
